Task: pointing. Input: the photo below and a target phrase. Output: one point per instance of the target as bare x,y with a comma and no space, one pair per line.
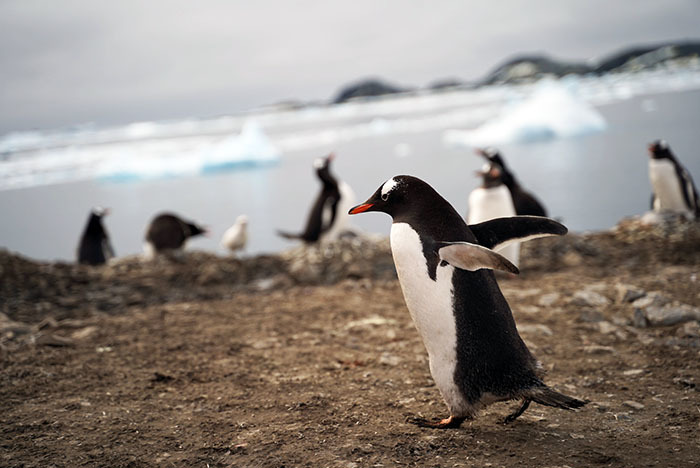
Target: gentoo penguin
493,200
524,202
168,233
673,188
94,247
236,236
475,354
328,217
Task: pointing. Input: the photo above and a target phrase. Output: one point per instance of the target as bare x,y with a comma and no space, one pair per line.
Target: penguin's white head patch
663,144
319,163
388,186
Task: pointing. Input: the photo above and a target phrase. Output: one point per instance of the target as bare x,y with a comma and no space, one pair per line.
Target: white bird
236,236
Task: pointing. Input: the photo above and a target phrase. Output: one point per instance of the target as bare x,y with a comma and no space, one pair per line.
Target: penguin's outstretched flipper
473,257
499,232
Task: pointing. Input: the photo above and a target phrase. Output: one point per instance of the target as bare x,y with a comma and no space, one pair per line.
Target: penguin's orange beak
361,208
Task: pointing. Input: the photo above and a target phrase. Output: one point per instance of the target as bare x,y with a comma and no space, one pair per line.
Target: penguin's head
195,230
491,174
396,196
99,211
242,219
491,154
659,149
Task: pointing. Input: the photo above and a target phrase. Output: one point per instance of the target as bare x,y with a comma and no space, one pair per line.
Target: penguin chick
671,183
168,233
476,355
94,247
236,236
524,202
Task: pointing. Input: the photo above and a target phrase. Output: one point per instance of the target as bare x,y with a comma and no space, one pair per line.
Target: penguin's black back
524,202
168,232
491,356
93,242
329,196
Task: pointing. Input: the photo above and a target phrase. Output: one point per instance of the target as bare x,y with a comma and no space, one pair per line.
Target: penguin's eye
385,196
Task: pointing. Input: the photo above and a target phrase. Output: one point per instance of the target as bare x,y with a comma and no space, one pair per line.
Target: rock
591,316
631,372
606,327
549,299
627,293
598,349
535,329
389,359
689,330
670,314
653,298
588,298
633,404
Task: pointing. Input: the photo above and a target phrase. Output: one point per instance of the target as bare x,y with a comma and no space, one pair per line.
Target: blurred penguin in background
493,200
235,237
672,186
167,233
328,219
94,247
524,202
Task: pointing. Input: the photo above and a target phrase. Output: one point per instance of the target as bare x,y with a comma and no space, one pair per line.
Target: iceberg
171,158
551,111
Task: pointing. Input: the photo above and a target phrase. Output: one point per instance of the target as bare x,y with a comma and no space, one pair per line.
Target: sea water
578,144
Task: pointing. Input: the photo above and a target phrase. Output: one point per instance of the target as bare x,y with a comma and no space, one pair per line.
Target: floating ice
550,112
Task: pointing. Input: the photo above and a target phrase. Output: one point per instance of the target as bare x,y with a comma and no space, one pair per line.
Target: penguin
328,218
476,355
493,200
672,185
525,203
236,236
168,233
94,247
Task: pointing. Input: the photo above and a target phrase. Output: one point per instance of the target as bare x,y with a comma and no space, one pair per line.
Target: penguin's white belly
490,203
430,304
668,190
342,219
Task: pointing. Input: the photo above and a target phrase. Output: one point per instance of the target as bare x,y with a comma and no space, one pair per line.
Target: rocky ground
309,358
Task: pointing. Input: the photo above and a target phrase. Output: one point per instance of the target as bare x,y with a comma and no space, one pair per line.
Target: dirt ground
291,374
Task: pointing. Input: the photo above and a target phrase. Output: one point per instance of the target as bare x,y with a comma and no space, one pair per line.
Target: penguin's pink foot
449,423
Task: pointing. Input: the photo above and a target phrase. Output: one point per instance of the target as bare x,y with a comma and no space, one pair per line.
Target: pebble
670,314
549,299
599,349
633,404
588,298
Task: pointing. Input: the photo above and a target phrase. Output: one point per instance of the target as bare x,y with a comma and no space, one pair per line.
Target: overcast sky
73,61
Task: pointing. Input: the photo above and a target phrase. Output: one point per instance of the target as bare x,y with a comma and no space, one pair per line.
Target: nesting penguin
524,202
672,185
94,247
444,267
167,233
493,200
236,236
328,217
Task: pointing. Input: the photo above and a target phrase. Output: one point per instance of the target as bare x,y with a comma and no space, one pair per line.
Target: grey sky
67,62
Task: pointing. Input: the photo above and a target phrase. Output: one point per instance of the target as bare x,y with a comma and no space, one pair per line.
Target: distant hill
532,67
641,58
366,88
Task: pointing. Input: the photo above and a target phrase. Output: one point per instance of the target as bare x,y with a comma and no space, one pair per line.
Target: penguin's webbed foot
449,423
515,414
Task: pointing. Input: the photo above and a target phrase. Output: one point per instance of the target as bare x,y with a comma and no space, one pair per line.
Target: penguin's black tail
288,235
548,397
